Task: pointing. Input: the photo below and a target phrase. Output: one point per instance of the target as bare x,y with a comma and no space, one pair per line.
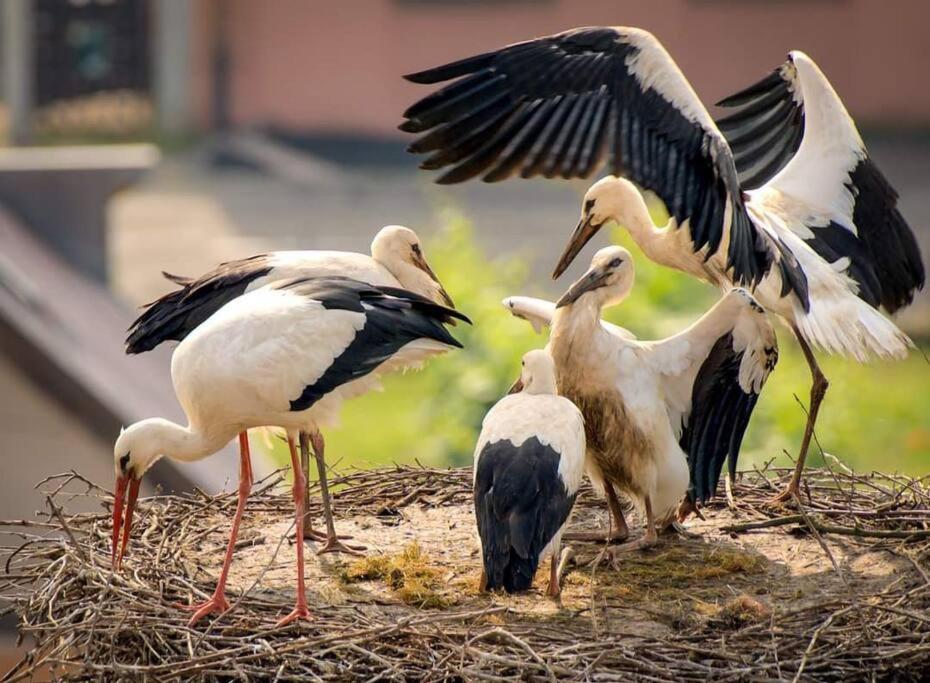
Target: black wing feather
175,315
573,98
520,504
719,416
393,318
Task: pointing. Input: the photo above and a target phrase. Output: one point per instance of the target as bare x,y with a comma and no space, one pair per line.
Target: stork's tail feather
515,575
853,329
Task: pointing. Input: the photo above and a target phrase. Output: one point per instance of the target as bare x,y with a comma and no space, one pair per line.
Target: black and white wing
568,105
539,312
398,327
173,316
794,141
520,505
714,372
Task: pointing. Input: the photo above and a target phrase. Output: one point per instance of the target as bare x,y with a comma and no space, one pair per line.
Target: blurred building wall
336,66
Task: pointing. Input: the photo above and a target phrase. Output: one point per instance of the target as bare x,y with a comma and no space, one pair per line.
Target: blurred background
149,135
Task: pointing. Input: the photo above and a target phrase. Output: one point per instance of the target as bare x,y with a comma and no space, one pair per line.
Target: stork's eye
616,263
416,249
588,205
124,462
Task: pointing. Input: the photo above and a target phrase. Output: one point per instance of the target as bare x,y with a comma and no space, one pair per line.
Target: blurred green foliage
875,416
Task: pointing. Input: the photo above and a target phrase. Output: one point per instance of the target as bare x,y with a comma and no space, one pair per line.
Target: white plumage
529,464
656,410
285,355
780,197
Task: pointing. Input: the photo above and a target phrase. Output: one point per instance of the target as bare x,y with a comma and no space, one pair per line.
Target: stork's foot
785,496
315,536
678,530
215,605
612,536
686,508
334,545
299,612
643,544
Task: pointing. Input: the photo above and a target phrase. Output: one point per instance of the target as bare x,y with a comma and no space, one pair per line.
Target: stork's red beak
119,520
516,387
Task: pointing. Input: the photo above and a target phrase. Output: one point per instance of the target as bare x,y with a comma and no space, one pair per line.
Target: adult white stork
397,260
529,463
285,355
661,417
781,197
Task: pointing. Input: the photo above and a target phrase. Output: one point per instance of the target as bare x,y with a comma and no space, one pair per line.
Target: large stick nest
835,586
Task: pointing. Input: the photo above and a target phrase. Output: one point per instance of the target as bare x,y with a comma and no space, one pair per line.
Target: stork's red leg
218,602
300,610
818,390
333,544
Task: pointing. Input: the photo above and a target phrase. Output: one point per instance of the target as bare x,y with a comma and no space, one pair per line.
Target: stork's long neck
636,219
187,444
573,327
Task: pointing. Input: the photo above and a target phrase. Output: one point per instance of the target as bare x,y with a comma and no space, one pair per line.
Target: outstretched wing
714,372
568,104
792,138
539,312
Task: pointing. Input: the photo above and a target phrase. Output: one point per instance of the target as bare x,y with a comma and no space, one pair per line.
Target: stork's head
136,449
609,199
608,280
399,250
537,374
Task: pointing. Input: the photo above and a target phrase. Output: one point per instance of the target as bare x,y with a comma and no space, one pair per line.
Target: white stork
397,260
529,463
781,197
657,414
285,355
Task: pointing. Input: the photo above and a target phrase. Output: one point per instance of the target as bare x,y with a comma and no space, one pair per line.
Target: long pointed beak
421,263
583,232
588,282
123,522
516,387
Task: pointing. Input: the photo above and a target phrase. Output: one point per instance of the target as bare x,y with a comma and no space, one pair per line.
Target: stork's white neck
184,444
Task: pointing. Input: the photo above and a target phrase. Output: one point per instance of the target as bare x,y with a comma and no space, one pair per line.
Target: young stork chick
397,260
655,411
285,355
529,463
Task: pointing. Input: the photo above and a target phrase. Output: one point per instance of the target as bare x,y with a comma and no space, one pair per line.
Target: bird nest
835,586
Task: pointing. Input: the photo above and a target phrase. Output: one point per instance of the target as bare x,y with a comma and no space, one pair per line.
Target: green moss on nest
408,573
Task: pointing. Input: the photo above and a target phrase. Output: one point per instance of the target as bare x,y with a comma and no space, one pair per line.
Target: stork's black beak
120,522
516,387
590,281
583,232
420,262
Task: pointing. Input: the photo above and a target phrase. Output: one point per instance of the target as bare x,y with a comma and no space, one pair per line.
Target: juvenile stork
529,462
660,416
781,197
397,260
285,355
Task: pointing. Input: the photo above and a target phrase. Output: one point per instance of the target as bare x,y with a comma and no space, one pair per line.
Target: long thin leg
818,390
309,531
554,589
300,610
618,532
333,544
651,536
218,602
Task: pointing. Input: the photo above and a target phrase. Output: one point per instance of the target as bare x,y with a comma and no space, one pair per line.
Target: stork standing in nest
397,260
529,463
661,417
780,197
286,355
